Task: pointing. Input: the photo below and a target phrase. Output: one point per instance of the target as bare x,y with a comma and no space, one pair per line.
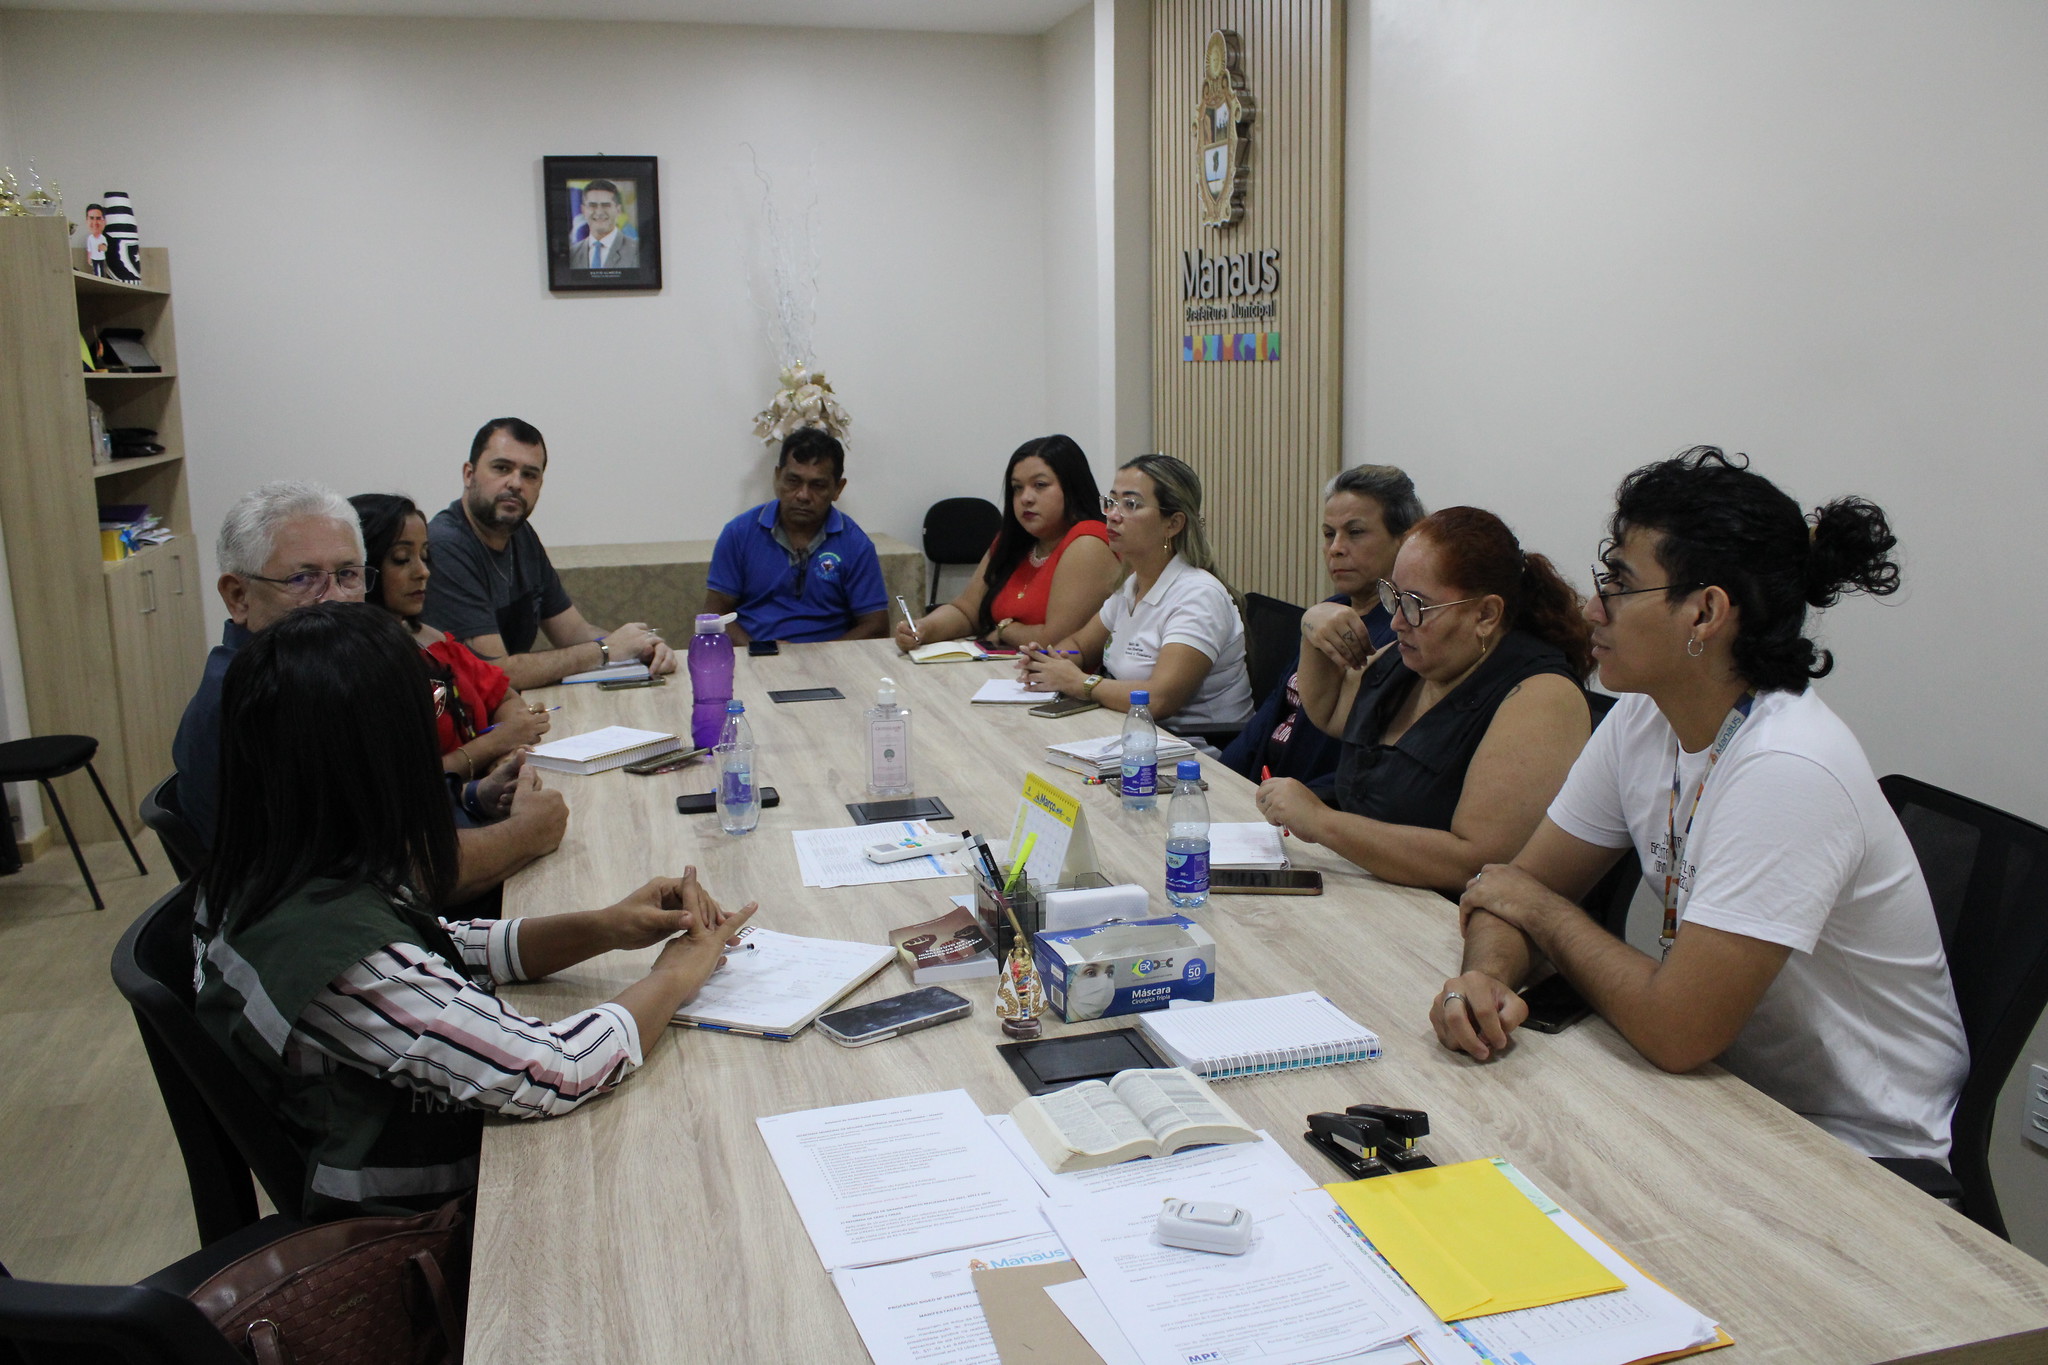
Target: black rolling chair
51,756
1272,642
224,1131
161,812
957,531
1988,874
151,1323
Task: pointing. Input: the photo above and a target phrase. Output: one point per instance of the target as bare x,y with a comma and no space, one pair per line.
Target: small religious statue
1020,999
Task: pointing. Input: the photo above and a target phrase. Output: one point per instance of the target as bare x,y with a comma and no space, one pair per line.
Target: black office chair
162,813
224,1130
1985,870
151,1323
45,757
1272,643
957,531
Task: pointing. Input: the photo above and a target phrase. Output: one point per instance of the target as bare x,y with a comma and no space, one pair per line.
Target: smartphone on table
872,1022
703,803
1554,1005
1233,881
1064,706
762,648
622,685
662,763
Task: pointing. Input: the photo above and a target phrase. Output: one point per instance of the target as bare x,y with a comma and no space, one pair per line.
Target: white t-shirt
1187,606
1795,844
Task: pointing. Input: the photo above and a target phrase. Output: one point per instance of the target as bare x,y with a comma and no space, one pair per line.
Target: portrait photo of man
608,243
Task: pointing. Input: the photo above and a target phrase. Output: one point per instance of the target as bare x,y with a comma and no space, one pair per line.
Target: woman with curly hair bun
1800,948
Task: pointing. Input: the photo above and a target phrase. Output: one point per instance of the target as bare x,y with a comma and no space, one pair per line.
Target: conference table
652,1224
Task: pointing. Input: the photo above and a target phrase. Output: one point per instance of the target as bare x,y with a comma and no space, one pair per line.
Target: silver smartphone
879,1019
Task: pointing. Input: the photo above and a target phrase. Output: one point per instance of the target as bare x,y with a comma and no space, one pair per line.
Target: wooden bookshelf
111,650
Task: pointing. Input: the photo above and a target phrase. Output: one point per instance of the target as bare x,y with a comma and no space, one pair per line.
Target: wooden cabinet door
137,590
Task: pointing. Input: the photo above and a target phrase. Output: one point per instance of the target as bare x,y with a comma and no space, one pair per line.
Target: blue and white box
1125,968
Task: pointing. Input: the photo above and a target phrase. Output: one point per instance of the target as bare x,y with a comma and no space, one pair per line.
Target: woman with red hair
1457,735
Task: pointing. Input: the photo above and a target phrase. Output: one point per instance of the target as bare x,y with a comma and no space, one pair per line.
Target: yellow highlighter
1017,868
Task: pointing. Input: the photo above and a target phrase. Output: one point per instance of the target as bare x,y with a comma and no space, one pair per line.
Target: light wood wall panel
1263,435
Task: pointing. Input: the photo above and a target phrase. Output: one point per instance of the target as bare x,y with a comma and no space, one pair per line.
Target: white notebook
597,751
1253,844
1249,1037
1010,692
777,985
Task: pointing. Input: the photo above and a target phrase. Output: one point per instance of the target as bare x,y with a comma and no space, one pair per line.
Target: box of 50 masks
1125,968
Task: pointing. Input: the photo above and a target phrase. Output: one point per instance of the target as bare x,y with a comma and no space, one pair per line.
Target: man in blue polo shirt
797,568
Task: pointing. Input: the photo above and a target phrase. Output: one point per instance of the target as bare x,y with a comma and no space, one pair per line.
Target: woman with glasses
479,718
1456,736
369,1026
1051,560
1799,943
1172,630
1366,511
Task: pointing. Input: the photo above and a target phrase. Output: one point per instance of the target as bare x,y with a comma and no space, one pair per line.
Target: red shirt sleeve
479,684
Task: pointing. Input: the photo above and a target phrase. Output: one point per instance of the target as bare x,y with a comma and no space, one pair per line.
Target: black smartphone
662,763
1554,1005
758,648
879,1019
636,682
1231,881
1065,706
912,808
703,803
808,694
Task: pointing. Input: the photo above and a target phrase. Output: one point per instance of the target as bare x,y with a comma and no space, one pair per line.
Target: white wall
353,210
1072,362
1587,233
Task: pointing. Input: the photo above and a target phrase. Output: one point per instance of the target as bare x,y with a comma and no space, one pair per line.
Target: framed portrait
604,222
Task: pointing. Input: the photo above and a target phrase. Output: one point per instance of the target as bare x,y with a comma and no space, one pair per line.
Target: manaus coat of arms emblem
1223,126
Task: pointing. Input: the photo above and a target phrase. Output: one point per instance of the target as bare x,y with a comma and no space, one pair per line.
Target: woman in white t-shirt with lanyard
1172,630
1800,948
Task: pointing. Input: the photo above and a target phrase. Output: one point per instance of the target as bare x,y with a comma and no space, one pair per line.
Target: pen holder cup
1028,900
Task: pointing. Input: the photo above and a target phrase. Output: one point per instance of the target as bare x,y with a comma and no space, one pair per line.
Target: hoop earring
1693,648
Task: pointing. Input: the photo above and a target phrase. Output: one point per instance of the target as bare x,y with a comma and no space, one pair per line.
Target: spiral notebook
1250,1037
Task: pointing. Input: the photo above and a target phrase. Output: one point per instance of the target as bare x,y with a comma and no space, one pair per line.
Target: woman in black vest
369,1025
1455,737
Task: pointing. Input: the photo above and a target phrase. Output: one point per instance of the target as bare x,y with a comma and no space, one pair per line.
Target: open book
1133,1114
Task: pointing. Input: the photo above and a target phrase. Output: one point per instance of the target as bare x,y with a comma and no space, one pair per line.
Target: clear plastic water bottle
710,678
1141,756
1187,839
739,800
888,744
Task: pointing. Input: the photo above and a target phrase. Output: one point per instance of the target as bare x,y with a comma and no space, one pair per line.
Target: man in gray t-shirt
493,587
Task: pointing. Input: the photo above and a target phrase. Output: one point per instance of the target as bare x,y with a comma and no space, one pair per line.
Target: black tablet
807,694
1048,1064
909,808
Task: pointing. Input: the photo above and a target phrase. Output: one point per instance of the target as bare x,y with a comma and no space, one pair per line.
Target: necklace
1038,557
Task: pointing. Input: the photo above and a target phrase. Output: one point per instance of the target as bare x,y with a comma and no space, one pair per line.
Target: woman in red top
479,717
1051,558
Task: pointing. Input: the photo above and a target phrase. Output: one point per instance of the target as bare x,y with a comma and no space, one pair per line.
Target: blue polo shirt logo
827,565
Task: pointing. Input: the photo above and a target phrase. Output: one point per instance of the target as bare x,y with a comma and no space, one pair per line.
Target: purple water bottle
710,678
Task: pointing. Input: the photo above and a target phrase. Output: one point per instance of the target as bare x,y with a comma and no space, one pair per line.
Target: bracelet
463,749
604,650
469,801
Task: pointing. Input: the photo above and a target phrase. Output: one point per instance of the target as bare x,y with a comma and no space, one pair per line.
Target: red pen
1266,775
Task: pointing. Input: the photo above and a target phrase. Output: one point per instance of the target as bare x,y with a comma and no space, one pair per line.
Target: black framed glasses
1409,606
311,583
1605,579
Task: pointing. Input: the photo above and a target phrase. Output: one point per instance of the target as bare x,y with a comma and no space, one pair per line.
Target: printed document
1011,692
1298,1297
890,1179
926,1311
838,857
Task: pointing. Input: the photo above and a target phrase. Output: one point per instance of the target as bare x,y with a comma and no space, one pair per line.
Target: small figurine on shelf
96,238
1020,999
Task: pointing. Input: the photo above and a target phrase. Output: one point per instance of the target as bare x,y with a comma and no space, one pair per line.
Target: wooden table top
653,1226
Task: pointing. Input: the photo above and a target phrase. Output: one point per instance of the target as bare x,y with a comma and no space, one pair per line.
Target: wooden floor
91,1187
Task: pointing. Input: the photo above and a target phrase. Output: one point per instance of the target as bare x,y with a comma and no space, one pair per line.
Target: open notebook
1248,1037
778,983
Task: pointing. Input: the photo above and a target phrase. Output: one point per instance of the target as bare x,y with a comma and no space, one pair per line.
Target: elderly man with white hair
287,545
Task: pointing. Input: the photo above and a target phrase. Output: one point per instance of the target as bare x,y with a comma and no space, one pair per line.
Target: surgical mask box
1125,968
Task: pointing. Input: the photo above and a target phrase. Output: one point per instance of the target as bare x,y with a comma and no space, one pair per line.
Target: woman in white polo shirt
1172,630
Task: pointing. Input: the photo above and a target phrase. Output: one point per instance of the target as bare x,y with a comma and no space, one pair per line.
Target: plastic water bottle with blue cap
1187,839
739,800
1141,756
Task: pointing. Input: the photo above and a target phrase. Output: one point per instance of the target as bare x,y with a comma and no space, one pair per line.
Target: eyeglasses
1409,606
312,583
1605,578
1128,502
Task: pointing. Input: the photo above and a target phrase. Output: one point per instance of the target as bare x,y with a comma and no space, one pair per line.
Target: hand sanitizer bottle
888,744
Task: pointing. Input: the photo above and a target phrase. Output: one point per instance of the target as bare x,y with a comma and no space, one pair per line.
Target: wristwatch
604,649
1088,684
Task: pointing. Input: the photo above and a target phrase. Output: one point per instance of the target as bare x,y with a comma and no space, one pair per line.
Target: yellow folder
1469,1242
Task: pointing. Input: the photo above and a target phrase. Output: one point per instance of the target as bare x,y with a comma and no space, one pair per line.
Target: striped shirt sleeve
411,1017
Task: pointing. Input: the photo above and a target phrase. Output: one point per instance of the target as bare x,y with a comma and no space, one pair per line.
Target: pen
915,634
1266,775
540,710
